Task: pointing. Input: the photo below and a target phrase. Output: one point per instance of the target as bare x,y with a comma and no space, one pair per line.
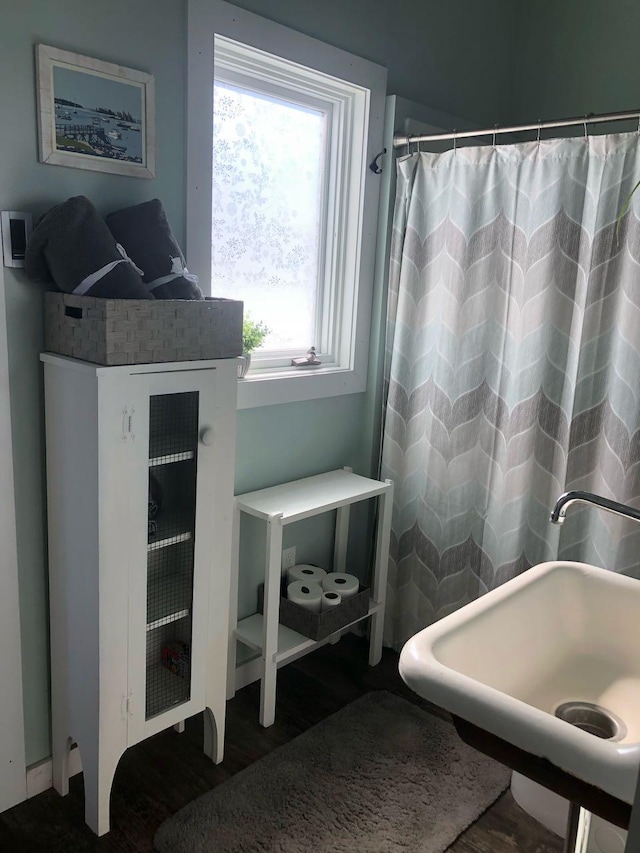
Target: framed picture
94,115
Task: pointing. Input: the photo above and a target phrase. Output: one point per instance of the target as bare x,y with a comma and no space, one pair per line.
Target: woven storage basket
318,626
142,331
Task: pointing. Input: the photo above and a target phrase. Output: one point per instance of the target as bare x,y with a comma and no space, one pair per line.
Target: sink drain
592,718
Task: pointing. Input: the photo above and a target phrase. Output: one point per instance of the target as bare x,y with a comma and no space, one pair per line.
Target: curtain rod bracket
373,165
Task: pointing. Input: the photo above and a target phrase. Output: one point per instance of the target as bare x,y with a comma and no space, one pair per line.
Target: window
279,180
269,190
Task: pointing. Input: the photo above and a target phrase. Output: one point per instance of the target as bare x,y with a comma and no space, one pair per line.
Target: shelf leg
380,570
272,579
340,549
233,604
179,727
268,694
341,539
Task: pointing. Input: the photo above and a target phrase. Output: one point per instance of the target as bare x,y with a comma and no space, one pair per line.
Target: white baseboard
40,775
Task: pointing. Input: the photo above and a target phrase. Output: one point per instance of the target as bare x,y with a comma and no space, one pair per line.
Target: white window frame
347,297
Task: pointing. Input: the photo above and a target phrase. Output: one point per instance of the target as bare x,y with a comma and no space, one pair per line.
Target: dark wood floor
162,774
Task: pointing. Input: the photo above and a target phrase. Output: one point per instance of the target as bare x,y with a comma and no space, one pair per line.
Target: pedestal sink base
542,771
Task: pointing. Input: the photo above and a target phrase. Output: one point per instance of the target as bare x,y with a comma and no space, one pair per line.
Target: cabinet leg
179,727
98,775
268,694
214,733
60,748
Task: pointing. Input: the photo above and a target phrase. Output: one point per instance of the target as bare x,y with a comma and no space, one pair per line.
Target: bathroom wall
453,56
576,57
145,35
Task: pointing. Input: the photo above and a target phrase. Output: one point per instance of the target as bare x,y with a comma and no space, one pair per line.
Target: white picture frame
94,115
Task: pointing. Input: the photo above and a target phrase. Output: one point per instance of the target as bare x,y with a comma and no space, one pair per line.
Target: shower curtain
512,369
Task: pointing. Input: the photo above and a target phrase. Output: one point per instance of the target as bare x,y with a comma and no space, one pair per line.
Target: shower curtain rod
402,139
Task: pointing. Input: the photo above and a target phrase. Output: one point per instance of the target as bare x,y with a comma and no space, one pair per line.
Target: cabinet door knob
206,436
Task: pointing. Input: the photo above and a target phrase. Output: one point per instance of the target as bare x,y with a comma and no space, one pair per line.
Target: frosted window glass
268,158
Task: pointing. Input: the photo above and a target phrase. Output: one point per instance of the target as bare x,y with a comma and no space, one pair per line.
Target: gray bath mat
381,775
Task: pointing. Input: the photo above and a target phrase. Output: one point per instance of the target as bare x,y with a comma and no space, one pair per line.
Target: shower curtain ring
638,124
495,130
455,139
586,134
539,128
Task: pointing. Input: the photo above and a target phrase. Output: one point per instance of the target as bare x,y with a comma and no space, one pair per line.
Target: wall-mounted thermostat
16,227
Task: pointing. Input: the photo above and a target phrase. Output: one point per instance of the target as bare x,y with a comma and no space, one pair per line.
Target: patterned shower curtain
513,366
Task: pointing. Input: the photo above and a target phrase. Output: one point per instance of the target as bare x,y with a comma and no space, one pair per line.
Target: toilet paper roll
303,572
307,595
330,600
345,585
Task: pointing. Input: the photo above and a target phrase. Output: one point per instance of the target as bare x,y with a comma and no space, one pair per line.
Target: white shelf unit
121,590
281,505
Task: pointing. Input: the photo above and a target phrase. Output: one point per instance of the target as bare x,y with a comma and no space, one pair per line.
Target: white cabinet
140,472
281,505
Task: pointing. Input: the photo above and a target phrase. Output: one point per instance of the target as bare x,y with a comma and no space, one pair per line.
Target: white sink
557,633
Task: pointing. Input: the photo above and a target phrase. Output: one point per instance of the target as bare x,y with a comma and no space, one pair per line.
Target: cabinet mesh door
173,443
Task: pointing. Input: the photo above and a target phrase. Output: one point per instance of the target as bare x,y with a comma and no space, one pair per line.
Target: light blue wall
281,443
150,36
456,56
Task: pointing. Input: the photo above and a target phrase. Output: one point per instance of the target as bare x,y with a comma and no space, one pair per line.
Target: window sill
293,386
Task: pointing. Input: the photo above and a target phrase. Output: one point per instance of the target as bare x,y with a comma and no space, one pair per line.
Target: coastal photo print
94,115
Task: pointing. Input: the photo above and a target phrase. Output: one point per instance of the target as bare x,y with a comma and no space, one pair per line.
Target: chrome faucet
564,502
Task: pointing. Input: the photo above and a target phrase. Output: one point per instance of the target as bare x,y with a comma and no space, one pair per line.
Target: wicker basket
318,626
142,331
